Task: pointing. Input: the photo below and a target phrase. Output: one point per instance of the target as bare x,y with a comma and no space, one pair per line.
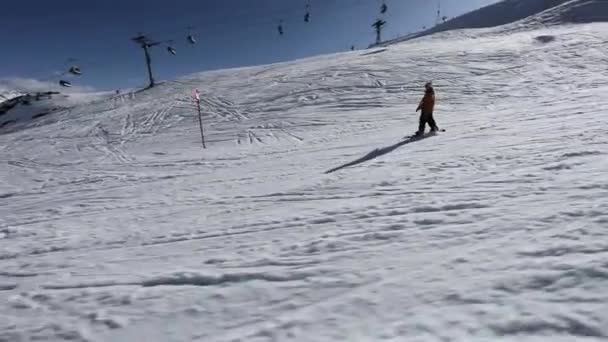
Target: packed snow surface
115,224
515,15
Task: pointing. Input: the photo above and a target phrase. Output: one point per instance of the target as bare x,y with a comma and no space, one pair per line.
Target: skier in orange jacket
426,106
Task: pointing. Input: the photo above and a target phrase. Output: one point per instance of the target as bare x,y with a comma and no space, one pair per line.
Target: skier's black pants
424,119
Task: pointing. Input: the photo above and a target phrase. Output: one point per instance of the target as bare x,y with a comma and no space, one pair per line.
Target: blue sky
230,33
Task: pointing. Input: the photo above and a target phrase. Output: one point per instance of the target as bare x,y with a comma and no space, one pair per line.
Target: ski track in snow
116,225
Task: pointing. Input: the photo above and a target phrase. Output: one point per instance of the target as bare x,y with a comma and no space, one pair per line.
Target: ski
415,136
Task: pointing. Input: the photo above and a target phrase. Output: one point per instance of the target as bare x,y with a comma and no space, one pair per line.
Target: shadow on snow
373,52
381,151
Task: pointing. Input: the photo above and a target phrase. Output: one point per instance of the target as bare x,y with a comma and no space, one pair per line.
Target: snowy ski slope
115,224
522,15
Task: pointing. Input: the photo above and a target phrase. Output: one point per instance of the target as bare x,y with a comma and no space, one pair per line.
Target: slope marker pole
197,98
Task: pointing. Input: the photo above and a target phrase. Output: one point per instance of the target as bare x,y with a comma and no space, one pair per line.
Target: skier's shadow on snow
380,152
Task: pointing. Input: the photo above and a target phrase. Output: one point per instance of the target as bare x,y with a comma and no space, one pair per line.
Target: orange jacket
427,104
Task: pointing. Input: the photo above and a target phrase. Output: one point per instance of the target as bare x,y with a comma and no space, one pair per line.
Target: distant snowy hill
311,215
23,101
20,108
9,95
522,14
